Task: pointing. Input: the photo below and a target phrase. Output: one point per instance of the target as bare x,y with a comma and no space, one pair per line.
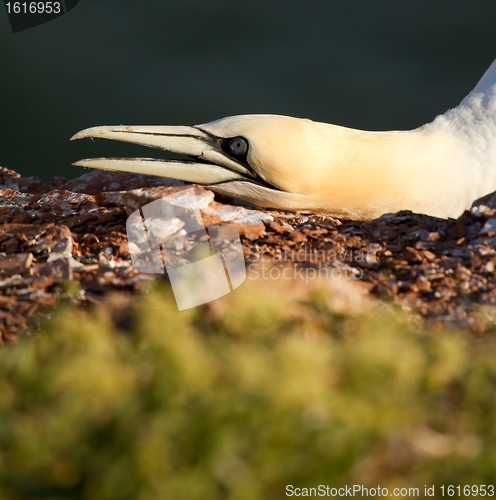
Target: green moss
238,399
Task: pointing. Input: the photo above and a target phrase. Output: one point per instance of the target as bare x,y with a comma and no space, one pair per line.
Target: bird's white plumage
296,164
485,84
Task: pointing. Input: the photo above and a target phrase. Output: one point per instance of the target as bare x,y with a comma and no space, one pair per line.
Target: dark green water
381,64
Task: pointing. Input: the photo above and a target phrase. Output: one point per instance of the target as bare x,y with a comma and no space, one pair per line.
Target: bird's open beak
211,164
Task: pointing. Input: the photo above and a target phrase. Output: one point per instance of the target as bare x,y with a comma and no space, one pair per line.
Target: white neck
473,125
438,169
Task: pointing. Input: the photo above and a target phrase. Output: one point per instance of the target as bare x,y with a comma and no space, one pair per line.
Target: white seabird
295,164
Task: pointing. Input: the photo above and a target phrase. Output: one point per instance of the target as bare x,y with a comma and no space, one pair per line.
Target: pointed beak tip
92,132
87,132
80,163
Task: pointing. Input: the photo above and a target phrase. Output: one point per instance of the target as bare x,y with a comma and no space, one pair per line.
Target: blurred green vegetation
239,398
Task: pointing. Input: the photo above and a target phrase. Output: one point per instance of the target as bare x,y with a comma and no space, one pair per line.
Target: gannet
300,165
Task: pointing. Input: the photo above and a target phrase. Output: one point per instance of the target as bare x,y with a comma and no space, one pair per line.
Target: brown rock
247,229
136,198
79,219
457,231
277,226
101,181
487,201
89,239
13,282
21,232
59,270
423,284
16,263
9,178
34,185
428,254
7,301
440,267
62,202
298,237
11,245
410,255
55,240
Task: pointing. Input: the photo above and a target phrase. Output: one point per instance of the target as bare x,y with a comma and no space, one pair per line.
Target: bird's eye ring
238,146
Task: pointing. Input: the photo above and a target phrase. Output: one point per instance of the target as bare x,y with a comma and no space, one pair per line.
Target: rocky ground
68,239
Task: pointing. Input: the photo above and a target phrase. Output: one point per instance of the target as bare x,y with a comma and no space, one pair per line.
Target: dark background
376,65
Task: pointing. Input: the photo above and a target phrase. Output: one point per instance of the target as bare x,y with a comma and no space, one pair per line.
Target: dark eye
238,146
